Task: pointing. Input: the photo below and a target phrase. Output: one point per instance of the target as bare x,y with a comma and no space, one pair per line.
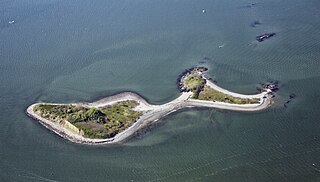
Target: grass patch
95,123
213,95
193,81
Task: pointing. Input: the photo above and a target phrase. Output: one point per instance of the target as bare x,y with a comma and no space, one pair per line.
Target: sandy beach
152,113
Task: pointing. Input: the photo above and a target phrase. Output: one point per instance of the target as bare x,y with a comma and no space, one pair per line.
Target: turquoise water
70,51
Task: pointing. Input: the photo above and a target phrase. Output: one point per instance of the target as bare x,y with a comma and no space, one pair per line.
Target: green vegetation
196,83
213,95
95,123
193,82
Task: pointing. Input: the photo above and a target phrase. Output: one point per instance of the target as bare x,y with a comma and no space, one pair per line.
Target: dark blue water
70,51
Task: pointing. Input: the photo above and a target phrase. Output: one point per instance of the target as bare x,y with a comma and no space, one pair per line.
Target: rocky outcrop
265,36
183,75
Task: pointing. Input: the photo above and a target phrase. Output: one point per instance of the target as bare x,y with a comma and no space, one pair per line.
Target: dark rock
291,96
265,36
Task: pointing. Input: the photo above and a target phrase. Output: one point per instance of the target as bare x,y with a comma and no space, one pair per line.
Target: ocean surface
72,51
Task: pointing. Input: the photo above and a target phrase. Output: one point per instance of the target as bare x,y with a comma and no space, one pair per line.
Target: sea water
72,51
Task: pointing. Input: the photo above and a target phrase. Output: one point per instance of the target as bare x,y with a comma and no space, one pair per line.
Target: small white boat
11,22
203,11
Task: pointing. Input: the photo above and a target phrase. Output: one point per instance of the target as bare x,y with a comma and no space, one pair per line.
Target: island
116,118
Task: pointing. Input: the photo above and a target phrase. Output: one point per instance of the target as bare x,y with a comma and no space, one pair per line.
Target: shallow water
70,51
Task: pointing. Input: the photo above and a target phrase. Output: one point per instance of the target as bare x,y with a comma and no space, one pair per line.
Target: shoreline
152,113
